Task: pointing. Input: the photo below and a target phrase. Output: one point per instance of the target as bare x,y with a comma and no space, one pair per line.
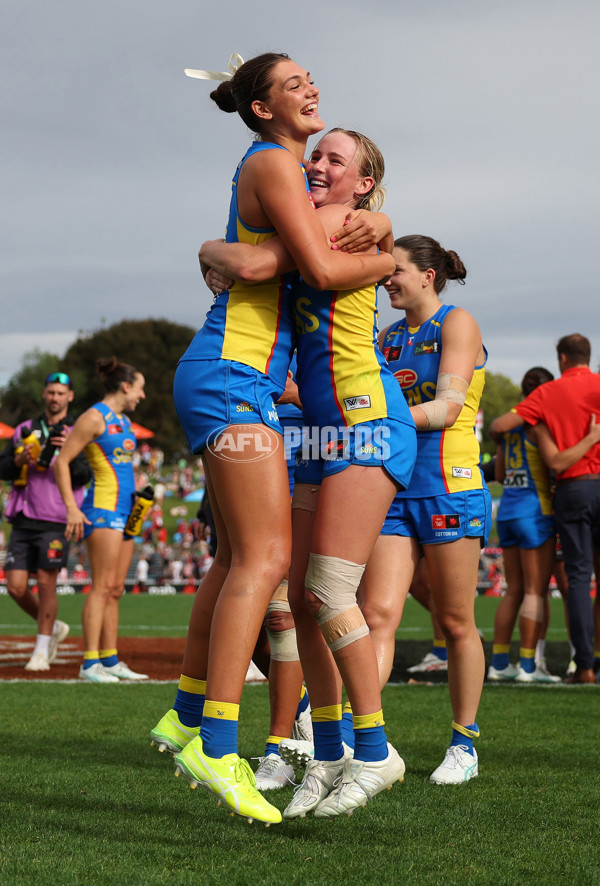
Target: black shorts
33,549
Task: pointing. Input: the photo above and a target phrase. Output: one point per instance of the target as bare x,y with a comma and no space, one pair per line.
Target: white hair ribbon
235,62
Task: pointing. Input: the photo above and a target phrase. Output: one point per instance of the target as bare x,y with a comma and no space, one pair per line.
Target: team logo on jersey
129,444
427,347
114,429
120,457
462,473
362,402
406,378
445,521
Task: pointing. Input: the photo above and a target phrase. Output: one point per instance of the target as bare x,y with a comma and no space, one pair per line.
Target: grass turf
86,800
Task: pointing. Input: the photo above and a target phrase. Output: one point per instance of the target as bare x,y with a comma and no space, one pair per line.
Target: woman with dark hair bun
438,358
104,432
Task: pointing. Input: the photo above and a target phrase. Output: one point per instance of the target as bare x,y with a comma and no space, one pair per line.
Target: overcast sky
116,166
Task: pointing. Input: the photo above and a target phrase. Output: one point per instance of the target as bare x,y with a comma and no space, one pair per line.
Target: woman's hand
290,393
594,431
362,230
75,521
217,282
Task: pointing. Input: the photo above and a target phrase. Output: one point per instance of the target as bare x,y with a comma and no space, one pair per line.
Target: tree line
153,346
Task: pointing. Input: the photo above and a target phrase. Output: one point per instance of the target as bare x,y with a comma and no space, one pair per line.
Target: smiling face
133,392
333,171
408,283
293,102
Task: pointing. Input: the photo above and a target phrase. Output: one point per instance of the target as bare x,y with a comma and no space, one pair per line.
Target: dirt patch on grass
159,657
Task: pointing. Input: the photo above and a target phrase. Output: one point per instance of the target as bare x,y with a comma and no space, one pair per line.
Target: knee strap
282,643
334,582
279,600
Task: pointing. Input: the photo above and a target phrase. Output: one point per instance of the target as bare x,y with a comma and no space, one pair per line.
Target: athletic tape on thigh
305,497
334,582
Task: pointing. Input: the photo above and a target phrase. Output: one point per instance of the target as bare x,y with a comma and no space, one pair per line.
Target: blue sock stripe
189,706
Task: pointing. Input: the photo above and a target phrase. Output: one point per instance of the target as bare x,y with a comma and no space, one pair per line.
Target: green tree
153,347
500,394
22,397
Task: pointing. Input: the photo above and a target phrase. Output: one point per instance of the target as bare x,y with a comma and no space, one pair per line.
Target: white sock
42,644
540,651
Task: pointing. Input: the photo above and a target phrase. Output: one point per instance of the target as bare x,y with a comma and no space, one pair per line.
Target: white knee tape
532,607
279,600
283,645
335,582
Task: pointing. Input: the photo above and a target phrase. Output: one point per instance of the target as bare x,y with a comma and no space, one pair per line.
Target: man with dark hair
38,516
565,406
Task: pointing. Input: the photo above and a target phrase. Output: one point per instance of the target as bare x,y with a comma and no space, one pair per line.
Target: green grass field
86,800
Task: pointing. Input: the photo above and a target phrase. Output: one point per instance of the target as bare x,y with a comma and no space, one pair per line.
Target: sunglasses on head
61,377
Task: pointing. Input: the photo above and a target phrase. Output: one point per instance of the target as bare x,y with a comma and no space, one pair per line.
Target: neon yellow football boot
230,777
171,735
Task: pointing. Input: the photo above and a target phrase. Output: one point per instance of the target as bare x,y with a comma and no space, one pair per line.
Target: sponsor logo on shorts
445,521
462,473
427,347
362,442
244,443
406,377
362,402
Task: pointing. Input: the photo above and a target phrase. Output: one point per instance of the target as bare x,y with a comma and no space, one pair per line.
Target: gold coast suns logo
120,457
406,378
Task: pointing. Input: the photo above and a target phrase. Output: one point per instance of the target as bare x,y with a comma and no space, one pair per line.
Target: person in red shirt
565,406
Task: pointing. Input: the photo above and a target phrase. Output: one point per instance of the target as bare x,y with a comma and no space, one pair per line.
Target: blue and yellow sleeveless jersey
448,459
110,457
249,324
342,376
526,488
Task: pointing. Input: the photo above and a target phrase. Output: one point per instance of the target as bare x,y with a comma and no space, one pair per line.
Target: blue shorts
442,518
525,532
383,443
211,395
101,519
